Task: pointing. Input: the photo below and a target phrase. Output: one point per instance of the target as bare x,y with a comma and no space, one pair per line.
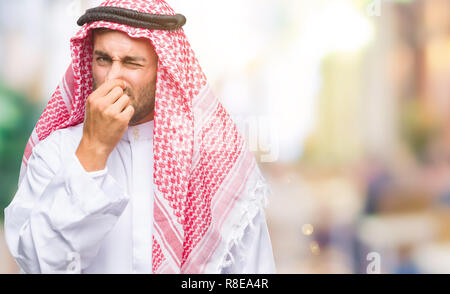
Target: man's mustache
129,92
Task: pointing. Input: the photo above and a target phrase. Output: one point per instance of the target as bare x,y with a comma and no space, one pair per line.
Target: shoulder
61,138
60,141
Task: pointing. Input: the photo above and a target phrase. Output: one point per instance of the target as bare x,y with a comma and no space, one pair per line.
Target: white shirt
66,220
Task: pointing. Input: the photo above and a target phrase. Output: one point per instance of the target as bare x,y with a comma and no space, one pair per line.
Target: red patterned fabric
201,163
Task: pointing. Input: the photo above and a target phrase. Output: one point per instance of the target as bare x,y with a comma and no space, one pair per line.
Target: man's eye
134,64
102,59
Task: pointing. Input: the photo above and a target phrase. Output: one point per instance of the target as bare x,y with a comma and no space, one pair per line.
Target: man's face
117,56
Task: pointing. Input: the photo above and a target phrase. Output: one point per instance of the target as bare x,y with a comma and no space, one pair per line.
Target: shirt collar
140,132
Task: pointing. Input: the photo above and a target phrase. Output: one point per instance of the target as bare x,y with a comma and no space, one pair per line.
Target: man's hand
108,113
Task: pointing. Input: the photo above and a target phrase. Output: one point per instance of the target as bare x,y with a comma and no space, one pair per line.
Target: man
135,166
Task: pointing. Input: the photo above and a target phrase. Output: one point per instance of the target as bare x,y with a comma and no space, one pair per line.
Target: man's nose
115,71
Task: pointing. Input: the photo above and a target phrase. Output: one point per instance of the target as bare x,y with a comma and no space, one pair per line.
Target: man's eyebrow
101,53
134,59
125,59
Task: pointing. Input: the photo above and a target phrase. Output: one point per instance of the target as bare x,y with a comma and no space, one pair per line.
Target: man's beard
143,103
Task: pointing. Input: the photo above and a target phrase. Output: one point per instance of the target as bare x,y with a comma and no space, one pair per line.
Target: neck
148,118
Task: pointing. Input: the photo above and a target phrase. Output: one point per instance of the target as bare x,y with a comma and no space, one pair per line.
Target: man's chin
135,122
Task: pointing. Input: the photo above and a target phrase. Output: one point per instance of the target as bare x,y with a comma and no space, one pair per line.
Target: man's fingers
127,113
120,104
107,86
113,95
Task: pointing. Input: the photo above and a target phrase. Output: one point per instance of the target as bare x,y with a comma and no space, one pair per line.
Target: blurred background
345,103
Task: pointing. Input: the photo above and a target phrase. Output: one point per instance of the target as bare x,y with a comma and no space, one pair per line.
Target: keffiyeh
208,186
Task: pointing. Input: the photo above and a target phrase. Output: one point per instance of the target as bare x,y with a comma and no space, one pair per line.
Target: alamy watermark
74,266
74,8
374,8
374,265
261,134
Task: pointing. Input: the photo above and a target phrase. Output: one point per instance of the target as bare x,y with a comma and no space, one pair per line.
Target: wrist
92,156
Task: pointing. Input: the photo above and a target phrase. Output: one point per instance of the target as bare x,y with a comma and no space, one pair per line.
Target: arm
60,213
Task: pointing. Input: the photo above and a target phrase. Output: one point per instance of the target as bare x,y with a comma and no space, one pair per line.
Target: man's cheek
98,75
